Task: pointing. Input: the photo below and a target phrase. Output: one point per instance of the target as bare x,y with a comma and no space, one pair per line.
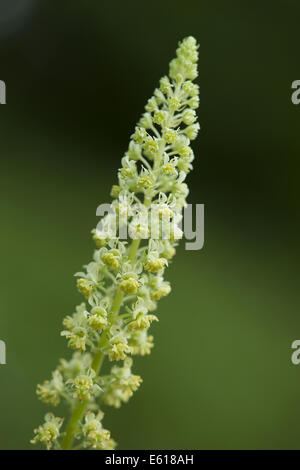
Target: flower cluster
94,435
120,384
48,432
125,279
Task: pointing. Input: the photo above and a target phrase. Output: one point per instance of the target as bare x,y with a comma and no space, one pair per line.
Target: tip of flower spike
185,64
189,42
192,38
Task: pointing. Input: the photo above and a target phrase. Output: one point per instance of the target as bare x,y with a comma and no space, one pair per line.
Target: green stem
72,427
79,409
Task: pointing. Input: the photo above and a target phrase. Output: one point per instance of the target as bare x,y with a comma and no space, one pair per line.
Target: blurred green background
78,75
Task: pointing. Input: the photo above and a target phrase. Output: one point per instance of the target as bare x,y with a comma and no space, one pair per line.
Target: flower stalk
123,282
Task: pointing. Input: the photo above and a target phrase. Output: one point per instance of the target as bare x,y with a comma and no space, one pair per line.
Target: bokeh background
78,75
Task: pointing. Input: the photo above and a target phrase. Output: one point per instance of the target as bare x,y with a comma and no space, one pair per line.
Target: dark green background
78,74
